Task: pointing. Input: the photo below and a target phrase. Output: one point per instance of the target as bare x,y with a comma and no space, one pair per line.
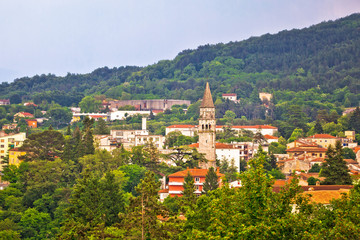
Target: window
196,187
2,140
2,146
197,179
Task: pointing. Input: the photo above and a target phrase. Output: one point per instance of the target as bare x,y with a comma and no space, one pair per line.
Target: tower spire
207,101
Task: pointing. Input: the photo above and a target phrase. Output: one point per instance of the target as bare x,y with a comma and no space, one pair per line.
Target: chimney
143,123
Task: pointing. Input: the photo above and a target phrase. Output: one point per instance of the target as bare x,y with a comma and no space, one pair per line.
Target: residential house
10,126
14,155
10,141
23,115
176,181
190,130
324,140
265,96
226,152
4,101
230,97
32,123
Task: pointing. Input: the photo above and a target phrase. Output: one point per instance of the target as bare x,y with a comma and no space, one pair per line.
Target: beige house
324,140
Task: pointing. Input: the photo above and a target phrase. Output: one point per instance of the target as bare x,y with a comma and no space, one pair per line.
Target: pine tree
141,220
68,131
354,120
101,128
88,139
334,168
189,197
211,181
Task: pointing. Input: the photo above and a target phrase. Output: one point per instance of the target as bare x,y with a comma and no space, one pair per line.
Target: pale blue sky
78,36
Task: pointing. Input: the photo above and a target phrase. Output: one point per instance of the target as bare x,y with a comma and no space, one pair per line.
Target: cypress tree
189,197
318,128
334,167
211,181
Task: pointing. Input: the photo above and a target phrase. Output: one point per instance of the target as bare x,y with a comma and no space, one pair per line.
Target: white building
230,96
121,115
190,130
186,130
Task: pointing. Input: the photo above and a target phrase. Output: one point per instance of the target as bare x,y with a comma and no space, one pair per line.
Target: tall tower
207,129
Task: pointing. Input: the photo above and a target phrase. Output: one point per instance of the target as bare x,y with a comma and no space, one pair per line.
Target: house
347,111
324,140
10,141
23,115
14,155
186,130
226,152
190,130
306,151
121,115
271,139
176,180
106,142
265,96
30,104
10,126
158,140
230,97
32,123
4,101
350,135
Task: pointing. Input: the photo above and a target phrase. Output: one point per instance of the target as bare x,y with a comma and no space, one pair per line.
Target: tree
94,203
334,168
297,133
36,225
101,128
354,120
315,168
89,104
189,197
141,221
88,139
185,157
46,145
348,153
229,117
318,128
135,174
211,181
312,180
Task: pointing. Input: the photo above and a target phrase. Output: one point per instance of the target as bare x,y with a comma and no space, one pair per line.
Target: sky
77,36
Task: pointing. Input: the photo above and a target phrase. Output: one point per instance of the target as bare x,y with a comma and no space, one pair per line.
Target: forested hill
324,57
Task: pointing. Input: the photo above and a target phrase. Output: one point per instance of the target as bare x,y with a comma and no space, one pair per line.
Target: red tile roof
350,161
195,172
229,94
181,126
256,126
217,145
356,149
270,137
321,136
306,149
26,114
163,191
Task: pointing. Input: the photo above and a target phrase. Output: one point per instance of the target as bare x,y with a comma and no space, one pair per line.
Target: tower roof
207,101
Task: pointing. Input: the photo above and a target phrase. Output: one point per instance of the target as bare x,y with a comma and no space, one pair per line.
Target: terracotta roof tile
306,149
229,94
181,126
321,136
270,137
195,172
217,145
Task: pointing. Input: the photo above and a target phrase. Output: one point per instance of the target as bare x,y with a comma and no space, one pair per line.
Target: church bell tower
207,129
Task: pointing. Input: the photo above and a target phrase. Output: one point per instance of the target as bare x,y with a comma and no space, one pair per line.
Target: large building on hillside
207,129
150,104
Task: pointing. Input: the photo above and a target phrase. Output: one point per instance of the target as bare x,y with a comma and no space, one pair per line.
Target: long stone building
150,104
